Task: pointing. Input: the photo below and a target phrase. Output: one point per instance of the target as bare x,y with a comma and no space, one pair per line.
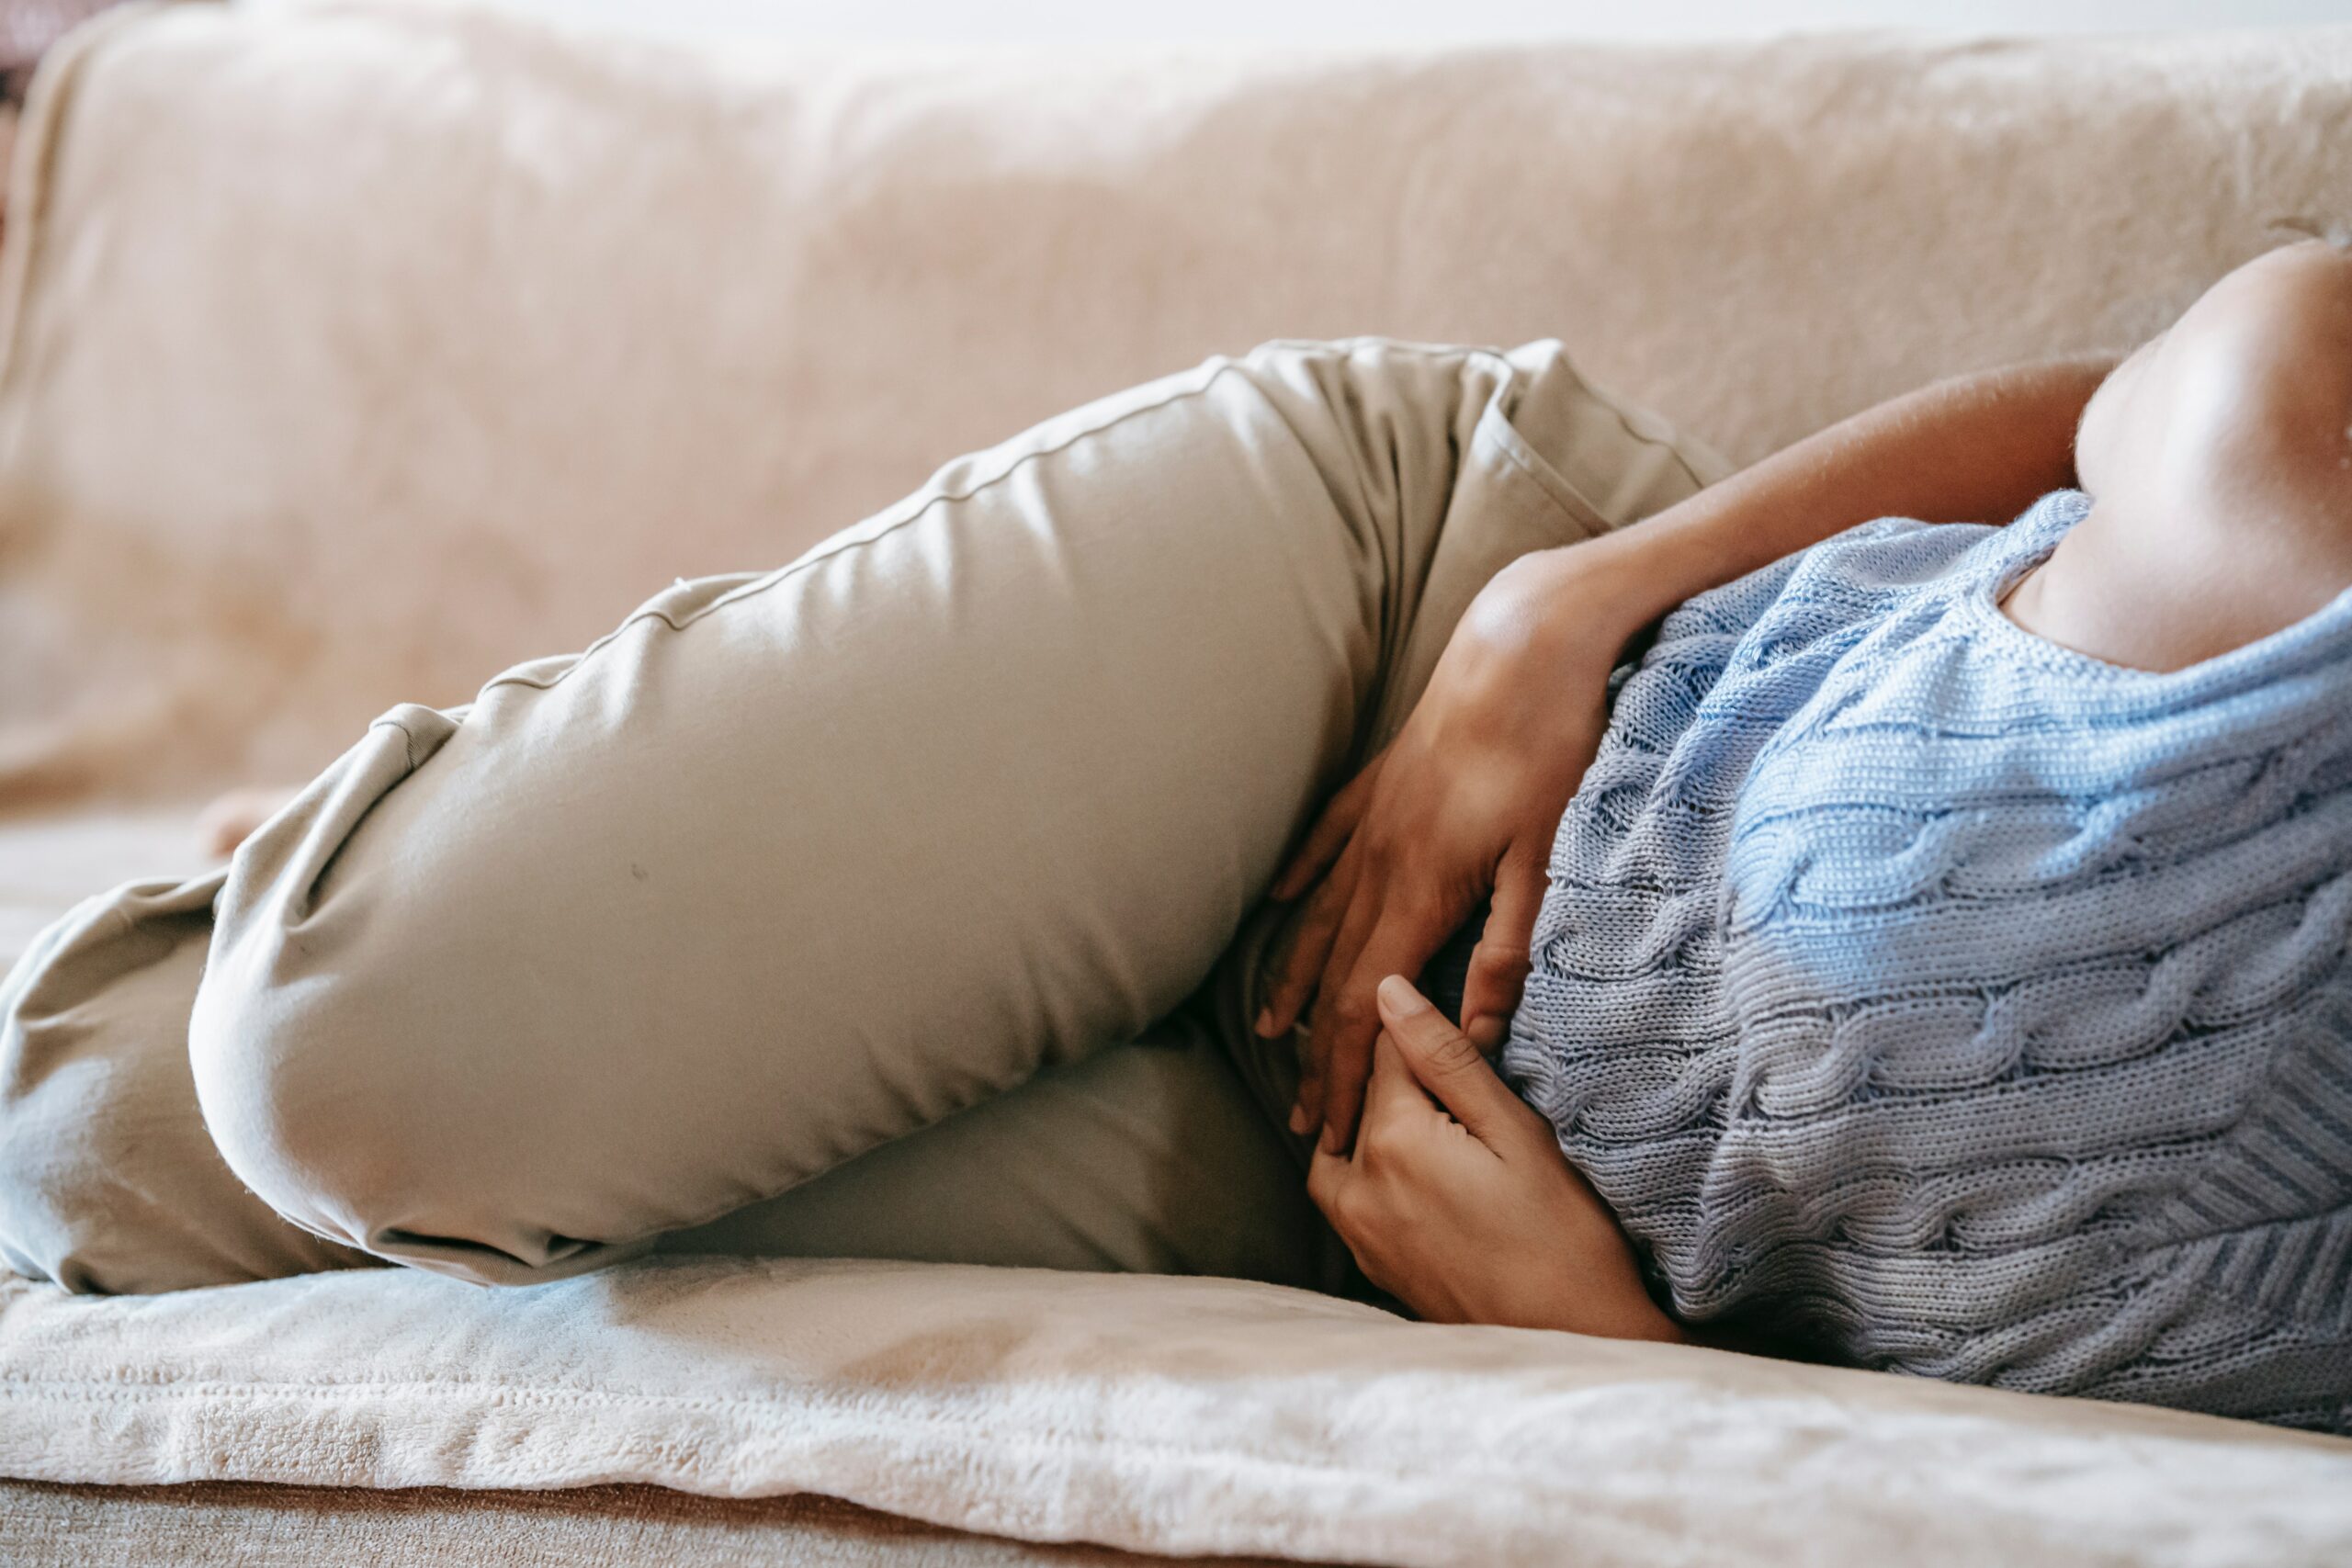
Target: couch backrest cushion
356,350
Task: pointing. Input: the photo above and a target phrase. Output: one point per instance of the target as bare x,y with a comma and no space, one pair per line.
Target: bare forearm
1976,449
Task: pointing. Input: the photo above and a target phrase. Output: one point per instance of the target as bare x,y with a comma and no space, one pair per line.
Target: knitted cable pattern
1961,1005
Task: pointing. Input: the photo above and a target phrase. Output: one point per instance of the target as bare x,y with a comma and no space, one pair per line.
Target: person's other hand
1457,1201
1461,806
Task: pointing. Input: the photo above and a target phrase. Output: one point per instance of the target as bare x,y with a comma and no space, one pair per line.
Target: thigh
791,865
1148,1156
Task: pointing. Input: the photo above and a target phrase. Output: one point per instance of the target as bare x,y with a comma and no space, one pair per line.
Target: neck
2162,586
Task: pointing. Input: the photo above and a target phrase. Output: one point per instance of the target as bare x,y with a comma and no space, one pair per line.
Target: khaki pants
905,901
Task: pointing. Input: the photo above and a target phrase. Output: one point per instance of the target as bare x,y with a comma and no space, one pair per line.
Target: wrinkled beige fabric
792,866
108,1181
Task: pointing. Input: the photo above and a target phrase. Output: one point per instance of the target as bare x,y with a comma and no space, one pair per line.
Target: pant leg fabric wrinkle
807,898
107,1181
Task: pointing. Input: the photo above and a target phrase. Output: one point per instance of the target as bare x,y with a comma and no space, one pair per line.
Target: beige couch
348,352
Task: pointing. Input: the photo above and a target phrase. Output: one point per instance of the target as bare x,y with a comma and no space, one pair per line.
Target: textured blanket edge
1155,1415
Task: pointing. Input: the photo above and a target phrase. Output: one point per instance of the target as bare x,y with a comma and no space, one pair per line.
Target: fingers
1498,975
1394,1101
1340,1017
1407,931
1329,835
1310,948
1443,1061
1397,1113
1328,847
1325,1175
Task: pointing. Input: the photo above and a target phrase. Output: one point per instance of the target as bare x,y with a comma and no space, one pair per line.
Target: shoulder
2165,583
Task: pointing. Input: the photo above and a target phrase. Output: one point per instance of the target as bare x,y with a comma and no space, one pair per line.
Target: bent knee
282,1095
339,1113
331,1067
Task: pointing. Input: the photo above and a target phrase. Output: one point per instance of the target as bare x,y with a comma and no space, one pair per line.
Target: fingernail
1298,1121
1486,1032
1398,993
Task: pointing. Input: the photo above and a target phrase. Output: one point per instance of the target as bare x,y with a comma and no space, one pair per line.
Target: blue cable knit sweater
1958,1004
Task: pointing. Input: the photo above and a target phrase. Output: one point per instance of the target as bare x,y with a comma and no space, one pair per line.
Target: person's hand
1460,806
1458,1203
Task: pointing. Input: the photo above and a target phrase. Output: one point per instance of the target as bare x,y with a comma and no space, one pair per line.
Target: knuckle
1503,960
1454,1053
1528,857
1420,903
1352,1209
1402,910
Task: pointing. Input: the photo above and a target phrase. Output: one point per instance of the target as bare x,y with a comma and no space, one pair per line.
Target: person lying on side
1943,963
1926,952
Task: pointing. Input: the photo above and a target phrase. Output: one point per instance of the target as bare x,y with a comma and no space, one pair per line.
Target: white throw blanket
1169,1415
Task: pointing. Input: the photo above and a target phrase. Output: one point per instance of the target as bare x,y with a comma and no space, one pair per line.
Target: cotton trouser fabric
904,901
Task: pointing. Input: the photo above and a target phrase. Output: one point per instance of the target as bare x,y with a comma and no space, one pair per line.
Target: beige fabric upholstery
361,350
236,1525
